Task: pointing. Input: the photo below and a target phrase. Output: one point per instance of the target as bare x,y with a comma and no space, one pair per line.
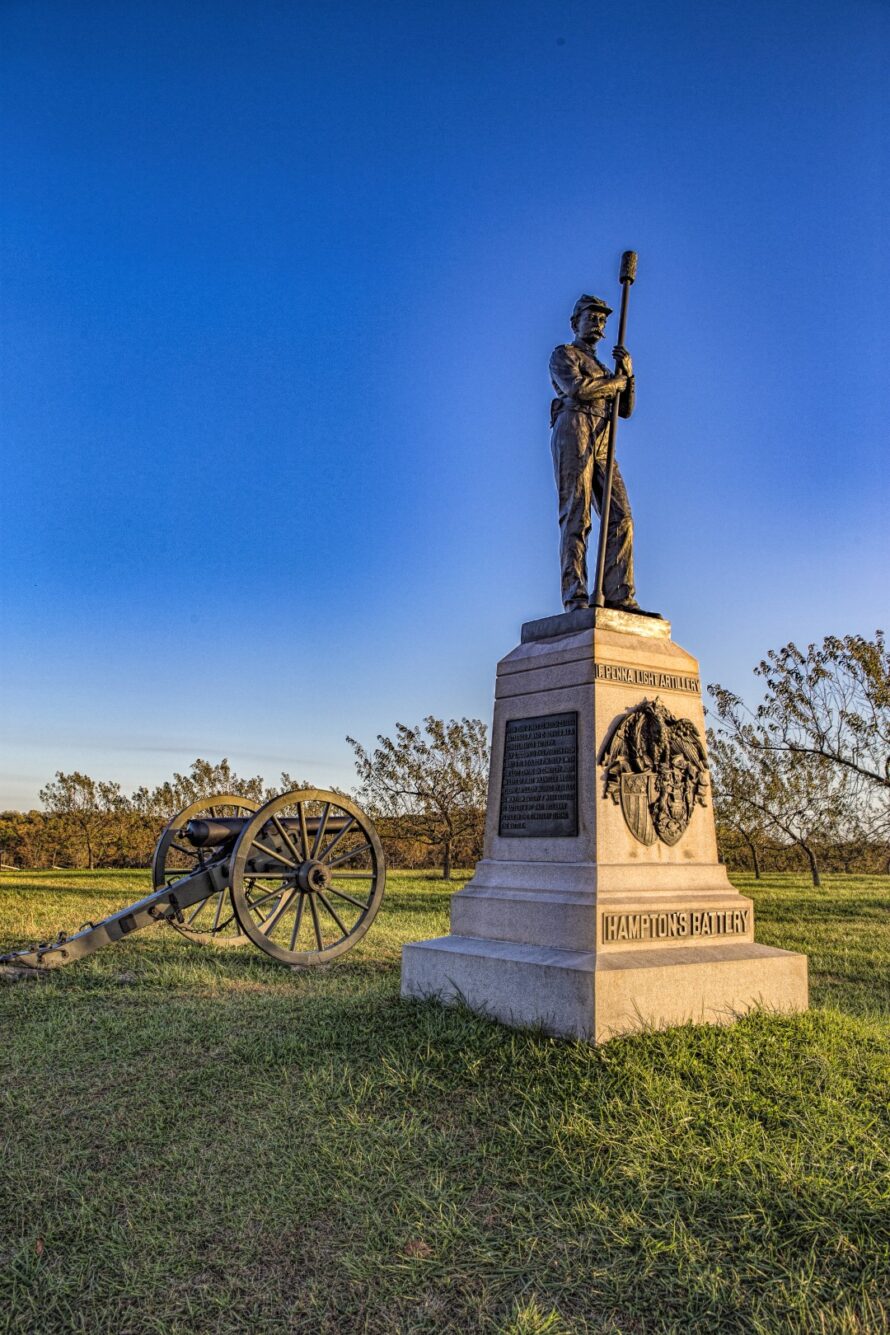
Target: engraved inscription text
539,788
634,676
675,923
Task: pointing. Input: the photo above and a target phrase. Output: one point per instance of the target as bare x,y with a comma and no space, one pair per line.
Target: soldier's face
591,325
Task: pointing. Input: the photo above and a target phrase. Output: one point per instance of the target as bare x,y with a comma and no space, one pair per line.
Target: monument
600,906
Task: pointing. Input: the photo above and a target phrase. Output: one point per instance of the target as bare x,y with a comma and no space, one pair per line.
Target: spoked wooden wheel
213,919
307,876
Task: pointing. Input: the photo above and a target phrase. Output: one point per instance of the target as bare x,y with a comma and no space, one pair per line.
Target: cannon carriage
301,877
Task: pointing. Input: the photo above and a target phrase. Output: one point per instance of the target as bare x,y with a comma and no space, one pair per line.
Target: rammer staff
626,278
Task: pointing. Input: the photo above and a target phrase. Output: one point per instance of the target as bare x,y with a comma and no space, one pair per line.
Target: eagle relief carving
656,769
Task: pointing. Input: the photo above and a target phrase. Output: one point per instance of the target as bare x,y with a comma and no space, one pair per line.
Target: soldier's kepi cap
588,303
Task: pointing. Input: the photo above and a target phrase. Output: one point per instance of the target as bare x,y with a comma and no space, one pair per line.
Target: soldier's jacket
575,374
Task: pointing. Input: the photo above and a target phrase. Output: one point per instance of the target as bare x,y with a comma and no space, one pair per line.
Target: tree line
437,821
87,822
801,779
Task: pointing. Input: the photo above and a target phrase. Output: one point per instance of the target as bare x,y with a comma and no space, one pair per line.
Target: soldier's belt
598,409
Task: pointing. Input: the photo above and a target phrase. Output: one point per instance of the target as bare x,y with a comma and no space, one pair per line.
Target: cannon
301,876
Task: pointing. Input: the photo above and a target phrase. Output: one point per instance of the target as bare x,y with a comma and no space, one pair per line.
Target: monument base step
571,921
578,994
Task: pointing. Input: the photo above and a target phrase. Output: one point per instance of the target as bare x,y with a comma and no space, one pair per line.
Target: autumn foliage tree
429,780
830,702
809,765
84,808
92,822
735,818
763,794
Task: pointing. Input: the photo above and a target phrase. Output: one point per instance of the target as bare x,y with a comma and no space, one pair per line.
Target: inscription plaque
539,787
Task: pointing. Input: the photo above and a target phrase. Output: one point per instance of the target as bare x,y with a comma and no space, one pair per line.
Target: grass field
202,1140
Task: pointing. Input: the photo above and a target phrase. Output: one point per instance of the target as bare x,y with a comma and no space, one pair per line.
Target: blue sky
278,288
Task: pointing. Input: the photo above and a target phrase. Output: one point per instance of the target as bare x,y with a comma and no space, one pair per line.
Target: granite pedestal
573,921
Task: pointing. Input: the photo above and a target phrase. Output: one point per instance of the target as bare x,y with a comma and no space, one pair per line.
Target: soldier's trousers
578,444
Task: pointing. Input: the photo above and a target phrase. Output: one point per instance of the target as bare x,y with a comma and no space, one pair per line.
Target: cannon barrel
215,833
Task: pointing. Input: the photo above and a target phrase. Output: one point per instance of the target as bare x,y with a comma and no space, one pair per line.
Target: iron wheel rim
218,906
297,914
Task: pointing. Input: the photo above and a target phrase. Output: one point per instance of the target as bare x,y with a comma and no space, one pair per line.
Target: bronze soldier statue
579,418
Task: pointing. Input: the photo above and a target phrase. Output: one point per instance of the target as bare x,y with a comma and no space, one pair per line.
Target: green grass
201,1140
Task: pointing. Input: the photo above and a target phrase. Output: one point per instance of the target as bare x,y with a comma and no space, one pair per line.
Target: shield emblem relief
657,770
673,808
637,791
670,829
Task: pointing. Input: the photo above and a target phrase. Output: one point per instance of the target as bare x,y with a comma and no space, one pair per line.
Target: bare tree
431,779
